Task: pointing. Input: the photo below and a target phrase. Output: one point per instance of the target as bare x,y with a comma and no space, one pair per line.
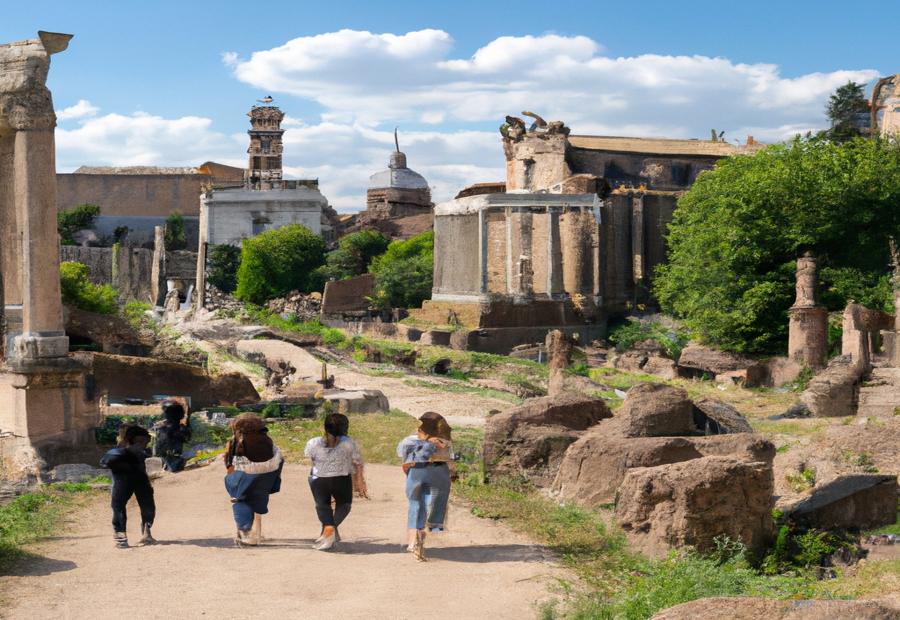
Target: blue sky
169,83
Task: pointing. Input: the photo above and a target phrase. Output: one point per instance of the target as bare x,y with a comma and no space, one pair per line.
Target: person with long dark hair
254,467
427,456
335,459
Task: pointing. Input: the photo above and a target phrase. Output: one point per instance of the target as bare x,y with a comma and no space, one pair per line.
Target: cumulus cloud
361,77
79,110
141,139
365,83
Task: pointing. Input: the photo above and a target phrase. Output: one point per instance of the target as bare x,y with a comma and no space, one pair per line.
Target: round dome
397,175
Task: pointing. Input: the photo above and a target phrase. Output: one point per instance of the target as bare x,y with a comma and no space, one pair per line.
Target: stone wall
132,195
659,172
130,270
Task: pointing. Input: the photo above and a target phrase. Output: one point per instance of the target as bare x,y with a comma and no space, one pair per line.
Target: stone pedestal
48,414
808,335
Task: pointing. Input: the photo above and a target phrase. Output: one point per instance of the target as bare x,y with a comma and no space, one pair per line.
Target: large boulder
714,417
357,401
530,440
111,332
697,360
834,392
655,410
860,501
693,502
596,464
746,608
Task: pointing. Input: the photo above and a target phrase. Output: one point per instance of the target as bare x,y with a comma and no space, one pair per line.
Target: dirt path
460,409
477,570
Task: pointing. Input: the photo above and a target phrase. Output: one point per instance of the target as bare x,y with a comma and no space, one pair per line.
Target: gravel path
460,409
479,569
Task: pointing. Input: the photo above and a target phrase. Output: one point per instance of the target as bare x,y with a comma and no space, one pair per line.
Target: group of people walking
254,464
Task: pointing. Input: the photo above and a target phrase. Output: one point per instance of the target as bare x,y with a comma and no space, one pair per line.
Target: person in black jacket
129,476
171,435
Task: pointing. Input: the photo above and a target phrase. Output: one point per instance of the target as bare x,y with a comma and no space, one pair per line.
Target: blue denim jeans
428,489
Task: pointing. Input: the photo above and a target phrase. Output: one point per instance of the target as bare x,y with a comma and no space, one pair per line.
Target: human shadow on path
476,554
228,543
31,565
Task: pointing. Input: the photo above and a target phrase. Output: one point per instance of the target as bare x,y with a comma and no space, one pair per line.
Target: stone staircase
880,396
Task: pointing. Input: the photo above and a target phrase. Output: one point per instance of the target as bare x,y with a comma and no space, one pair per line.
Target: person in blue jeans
254,464
427,457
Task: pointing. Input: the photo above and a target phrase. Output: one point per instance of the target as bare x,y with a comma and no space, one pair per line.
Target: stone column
157,268
483,252
554,254
637,239
34,171
808,327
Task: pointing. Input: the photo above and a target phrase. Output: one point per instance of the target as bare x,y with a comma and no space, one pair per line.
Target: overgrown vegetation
405,272
77,290
222,264
279,261
175,238
626,334
354,254
78,218
737,232
616,582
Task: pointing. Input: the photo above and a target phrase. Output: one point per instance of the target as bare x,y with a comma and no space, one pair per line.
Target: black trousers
339,488
123,487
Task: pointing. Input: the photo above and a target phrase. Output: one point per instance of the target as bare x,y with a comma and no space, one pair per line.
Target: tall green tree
354,253
843,110
737,232
175,238
279,261
405,272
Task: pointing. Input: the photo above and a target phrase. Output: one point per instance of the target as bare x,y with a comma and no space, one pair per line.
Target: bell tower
264,165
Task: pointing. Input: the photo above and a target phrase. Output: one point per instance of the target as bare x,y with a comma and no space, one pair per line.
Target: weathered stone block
693,502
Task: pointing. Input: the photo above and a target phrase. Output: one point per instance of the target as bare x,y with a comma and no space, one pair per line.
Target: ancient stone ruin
47,403
808,330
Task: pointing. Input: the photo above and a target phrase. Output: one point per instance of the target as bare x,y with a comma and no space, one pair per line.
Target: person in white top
335,458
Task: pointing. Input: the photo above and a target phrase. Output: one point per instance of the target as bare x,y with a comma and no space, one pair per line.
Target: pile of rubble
217,299
303,307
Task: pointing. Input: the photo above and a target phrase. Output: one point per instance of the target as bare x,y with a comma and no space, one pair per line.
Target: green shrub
626,335
77,290
737,232
222,264
70,222
135,312
354,253
405,272
174,236
278,261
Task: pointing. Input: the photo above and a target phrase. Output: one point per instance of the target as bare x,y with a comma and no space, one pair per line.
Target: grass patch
617,583
376,434
462,388
796,428
33,516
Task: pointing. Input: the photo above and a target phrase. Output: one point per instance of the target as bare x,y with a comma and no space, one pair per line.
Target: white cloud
361,77
80,110
366,83
141,140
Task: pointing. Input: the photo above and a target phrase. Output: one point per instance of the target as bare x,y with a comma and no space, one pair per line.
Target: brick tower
264,166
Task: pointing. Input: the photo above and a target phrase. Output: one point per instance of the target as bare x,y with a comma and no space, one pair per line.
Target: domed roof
397,175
